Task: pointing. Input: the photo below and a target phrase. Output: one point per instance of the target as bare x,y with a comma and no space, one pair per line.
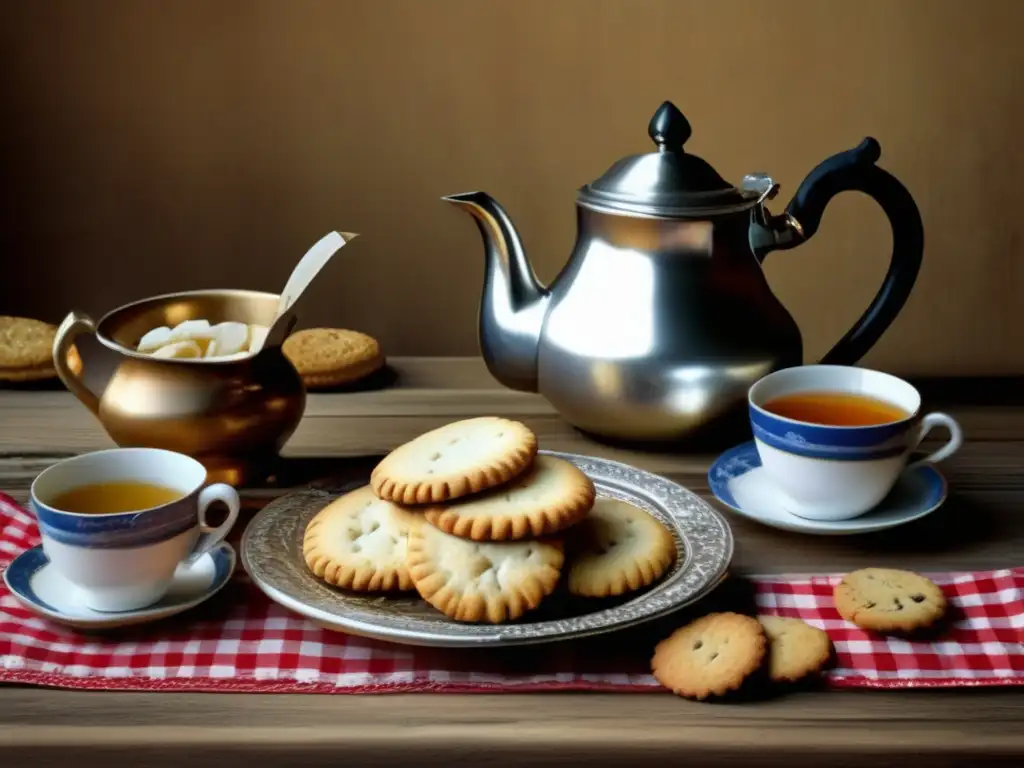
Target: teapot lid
669,182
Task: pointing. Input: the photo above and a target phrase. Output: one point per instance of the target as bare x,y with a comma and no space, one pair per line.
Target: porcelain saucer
738,481
38,587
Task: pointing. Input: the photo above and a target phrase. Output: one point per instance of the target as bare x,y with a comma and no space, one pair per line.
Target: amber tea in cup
835,409
834,439
114,497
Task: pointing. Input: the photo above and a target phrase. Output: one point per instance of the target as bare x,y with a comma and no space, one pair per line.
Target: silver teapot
662,317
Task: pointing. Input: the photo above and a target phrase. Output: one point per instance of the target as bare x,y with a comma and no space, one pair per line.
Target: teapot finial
668,128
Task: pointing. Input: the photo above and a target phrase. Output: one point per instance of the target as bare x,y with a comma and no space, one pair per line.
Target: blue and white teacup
124,561
839,472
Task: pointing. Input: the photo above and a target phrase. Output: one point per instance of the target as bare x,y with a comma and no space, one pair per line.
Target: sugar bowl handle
74,325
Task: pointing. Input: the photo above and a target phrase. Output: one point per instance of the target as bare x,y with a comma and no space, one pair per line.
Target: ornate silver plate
272,555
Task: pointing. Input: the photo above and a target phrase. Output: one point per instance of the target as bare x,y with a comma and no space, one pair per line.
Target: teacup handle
211,537
956,438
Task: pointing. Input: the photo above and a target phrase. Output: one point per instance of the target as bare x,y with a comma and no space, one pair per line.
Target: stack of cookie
472,518
720,652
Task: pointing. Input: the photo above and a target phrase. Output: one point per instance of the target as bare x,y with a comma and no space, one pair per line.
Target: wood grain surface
981,526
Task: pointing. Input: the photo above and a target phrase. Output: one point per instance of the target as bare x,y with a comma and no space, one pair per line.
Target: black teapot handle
855,169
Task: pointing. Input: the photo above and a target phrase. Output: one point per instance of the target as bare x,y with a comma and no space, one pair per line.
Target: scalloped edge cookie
455,460
491,582
550,496
712,655
360,542
617,548
795,648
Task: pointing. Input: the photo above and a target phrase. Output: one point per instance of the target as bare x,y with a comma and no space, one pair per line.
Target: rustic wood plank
887,729
981,526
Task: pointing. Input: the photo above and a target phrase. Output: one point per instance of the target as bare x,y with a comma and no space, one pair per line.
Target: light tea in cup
107,498
117,524
835,439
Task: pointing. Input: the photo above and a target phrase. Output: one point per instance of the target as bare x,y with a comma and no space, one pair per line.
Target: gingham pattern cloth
241,641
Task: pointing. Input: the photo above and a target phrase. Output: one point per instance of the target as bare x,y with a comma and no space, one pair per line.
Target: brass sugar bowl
232,415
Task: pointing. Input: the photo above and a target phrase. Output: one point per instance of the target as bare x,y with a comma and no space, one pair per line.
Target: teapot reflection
662,317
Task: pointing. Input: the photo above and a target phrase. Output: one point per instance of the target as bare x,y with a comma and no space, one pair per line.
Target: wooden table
981,526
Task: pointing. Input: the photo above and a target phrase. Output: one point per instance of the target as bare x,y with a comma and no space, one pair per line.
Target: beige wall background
158,146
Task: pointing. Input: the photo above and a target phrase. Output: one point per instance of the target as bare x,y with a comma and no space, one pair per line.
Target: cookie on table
455,460
710,656
331,357
795,648
360,542
616,548
26,349
490,582
889,600
25,343
26,375
550,496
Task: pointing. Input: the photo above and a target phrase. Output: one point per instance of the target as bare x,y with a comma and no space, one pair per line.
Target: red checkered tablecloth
241,641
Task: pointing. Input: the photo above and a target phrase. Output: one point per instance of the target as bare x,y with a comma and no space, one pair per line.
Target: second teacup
834,438
116,524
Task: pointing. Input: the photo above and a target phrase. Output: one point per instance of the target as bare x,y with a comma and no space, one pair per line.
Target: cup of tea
835,439
116,524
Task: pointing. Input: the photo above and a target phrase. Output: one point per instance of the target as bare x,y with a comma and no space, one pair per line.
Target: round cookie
25,344
360,542
26,350
455,460
549,496
710,656
617,548
795,648
24,375
889,600
476,582
330,357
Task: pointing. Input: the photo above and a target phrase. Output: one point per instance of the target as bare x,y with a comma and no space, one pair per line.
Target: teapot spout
514,303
